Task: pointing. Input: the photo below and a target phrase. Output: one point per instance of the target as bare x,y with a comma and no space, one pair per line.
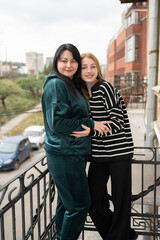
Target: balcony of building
28,202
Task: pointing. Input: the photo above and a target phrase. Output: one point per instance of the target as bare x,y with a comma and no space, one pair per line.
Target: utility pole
152,69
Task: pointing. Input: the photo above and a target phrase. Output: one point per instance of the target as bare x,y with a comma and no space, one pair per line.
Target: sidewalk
138,128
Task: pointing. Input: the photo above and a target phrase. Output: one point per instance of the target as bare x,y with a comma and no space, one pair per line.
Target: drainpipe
159,50
152,69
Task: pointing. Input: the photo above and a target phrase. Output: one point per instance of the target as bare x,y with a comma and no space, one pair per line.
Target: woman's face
89,70
66,64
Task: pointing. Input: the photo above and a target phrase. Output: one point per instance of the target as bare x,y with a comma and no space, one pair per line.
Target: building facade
126,53
34,63
103,69
153,70
12,70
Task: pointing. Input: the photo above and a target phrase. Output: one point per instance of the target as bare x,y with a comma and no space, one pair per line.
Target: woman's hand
101,127
83,133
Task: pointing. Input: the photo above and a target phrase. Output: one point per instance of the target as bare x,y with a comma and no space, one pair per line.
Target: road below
6,176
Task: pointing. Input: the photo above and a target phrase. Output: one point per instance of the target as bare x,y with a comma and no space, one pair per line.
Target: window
26,142
136,48
133,18
129,20
129,49
22,145
132,48
128,76
136,17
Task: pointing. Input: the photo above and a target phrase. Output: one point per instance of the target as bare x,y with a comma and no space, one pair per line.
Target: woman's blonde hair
99,75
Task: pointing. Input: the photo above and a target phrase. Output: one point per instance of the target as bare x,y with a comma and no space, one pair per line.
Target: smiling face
67,65
89,71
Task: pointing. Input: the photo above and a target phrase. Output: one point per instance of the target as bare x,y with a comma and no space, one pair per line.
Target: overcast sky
43,25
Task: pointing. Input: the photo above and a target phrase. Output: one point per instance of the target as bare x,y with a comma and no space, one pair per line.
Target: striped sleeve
112,112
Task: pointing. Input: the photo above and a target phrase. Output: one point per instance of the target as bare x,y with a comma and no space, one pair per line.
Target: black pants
111,225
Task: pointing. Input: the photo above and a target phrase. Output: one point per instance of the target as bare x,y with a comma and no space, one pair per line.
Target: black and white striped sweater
106,104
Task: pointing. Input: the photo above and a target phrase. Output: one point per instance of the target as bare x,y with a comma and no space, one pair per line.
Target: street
6,176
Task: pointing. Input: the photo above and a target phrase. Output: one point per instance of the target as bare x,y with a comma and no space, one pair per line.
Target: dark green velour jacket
64,113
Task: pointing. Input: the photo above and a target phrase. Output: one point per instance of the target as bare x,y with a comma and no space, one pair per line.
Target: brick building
126,53
153,68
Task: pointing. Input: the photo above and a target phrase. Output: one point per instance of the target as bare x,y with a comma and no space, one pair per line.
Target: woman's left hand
83,133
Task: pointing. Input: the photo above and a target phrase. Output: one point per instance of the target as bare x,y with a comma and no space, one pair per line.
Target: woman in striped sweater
111,154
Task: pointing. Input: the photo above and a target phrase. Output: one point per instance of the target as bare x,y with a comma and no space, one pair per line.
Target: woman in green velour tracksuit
64,111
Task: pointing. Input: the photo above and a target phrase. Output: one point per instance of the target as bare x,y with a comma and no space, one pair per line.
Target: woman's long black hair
76,81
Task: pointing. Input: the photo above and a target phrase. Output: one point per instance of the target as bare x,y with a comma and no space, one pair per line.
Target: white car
35,133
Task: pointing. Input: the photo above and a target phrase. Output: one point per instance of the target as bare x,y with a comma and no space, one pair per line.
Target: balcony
28,202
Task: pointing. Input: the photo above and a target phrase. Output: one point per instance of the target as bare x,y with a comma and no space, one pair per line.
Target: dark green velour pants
73,202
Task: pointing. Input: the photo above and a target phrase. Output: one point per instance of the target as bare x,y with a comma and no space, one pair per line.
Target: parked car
13,151
35,133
